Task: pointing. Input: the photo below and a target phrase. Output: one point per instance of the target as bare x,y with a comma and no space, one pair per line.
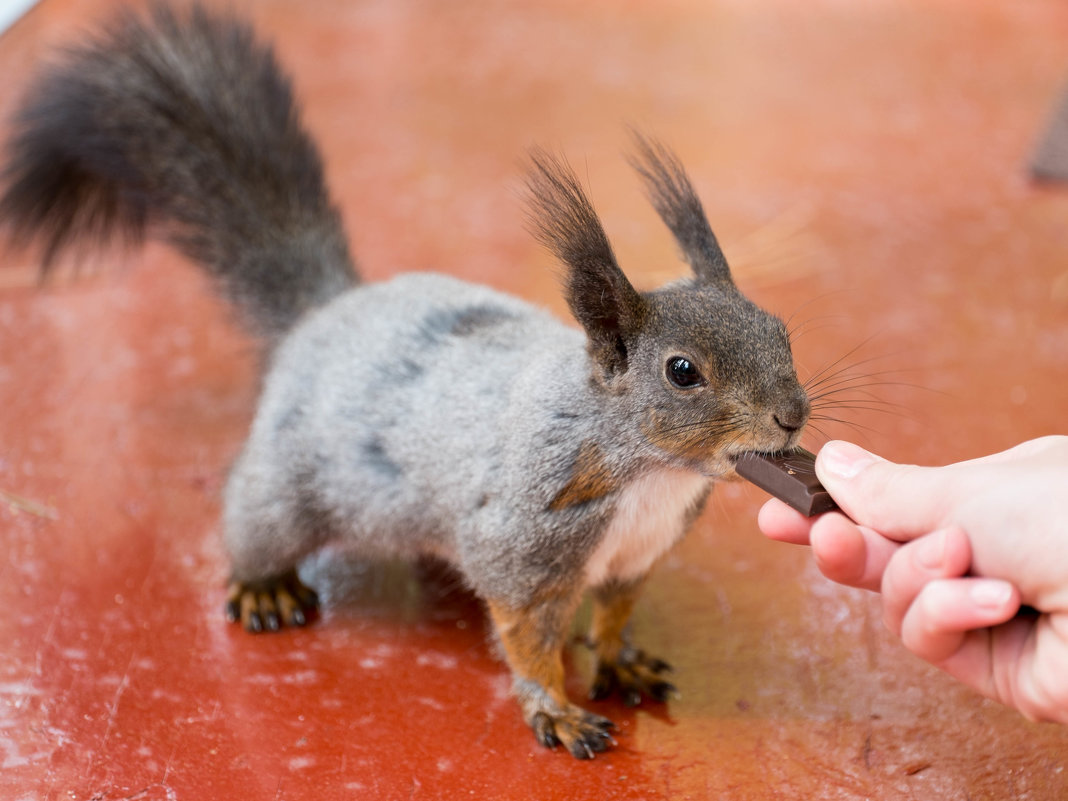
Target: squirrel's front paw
633,674
267,604
580,732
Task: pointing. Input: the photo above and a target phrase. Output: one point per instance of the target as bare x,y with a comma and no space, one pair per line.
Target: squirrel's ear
675,200
599,294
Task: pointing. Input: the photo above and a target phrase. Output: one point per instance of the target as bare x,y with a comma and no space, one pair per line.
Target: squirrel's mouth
779,441
699,450
730,459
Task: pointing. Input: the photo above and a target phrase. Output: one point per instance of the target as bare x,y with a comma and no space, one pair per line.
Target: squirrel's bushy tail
183,125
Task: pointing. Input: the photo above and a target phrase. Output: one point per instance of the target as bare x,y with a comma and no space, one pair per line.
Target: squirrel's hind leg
621,668
533,637
270,524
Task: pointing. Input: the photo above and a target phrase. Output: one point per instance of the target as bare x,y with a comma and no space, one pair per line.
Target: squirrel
421,415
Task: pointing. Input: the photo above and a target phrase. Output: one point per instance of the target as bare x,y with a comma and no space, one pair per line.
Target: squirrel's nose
792,414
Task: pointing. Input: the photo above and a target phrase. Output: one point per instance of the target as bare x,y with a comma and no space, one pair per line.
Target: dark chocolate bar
790,476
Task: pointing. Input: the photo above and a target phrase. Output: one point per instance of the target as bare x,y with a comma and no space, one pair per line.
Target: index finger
780,522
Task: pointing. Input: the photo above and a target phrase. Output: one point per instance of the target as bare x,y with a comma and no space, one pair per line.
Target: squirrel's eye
682,373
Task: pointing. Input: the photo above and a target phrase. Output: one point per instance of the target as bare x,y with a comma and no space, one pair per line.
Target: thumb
899,501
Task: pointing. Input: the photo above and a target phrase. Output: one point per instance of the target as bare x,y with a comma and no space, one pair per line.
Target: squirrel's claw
583,734
633,675
544,730
268,604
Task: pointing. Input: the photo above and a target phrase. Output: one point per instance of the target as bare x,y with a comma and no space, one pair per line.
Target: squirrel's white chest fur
648,520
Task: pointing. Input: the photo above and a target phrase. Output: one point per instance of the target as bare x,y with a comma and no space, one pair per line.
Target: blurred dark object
1050,161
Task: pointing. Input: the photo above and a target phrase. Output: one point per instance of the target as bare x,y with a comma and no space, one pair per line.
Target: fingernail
844,459
931,550
990,594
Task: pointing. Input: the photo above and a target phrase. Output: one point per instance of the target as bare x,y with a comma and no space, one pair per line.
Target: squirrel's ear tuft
673,196
599,294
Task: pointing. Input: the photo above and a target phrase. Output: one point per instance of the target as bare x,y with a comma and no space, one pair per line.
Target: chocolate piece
790,476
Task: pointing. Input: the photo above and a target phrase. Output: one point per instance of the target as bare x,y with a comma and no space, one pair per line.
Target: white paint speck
438,660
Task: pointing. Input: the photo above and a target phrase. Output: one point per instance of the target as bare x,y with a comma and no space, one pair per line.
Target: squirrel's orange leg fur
533,638
622,668
268,604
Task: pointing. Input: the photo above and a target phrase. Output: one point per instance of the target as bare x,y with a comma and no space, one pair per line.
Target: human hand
955,551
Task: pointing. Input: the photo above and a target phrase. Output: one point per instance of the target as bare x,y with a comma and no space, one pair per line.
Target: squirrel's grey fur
422,415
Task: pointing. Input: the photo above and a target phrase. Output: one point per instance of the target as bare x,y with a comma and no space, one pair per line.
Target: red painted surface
863,165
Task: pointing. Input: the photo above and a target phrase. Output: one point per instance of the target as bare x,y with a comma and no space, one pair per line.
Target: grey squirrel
421,415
